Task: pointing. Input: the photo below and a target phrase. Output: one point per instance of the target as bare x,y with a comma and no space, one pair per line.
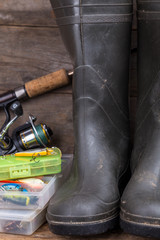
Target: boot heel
82,229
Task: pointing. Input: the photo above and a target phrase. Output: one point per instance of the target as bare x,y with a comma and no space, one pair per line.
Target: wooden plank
45,234
22,12
32,13
55,110
28,53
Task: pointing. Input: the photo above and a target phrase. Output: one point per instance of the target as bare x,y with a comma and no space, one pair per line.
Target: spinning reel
25,137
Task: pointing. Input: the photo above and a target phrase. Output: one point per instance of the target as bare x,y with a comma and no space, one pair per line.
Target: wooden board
33,13
30,47
45,234
22,12
28,53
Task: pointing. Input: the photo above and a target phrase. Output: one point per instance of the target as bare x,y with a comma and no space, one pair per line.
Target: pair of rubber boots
97,35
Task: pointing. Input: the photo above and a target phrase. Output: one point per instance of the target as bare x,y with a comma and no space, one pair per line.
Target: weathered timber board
22,12
45,234
28,53
37,12
55,110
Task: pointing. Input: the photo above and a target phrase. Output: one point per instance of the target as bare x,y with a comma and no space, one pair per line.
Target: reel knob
16,108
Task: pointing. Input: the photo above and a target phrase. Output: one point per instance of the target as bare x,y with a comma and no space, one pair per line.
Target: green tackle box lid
13,167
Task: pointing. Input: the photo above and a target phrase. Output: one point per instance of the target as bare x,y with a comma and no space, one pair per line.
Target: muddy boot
140,205
97,36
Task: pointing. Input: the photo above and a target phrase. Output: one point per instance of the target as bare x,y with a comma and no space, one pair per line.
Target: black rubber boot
140,205
97,36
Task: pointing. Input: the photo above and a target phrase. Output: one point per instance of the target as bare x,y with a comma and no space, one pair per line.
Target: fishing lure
36,152
19,200
12,187
30,184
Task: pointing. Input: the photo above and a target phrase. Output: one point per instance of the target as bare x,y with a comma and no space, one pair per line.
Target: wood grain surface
33,13
45,234
29,53
31,47
22,12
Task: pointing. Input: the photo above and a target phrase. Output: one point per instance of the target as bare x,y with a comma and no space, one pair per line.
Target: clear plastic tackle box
34,198
14,167
23,222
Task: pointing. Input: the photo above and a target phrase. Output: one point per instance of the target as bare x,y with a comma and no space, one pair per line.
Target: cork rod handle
47,83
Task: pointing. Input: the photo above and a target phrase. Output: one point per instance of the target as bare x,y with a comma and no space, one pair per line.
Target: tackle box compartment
24,222
12,167
36,199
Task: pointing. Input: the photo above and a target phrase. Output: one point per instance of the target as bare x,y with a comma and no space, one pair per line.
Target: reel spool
31,136
25,137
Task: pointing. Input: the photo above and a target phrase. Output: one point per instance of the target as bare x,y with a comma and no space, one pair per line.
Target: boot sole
144,229
83,229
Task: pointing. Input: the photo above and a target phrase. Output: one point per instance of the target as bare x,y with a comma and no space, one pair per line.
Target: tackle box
23,222
35,198
14,167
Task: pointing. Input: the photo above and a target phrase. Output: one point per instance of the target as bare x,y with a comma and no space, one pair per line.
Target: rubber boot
97,36
140,205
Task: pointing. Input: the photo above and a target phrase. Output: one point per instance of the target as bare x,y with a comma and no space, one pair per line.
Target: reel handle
47,83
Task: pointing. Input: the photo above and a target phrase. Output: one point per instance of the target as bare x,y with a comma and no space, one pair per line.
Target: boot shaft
73,15
148,46
91,11
140,203
97,36
148,109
